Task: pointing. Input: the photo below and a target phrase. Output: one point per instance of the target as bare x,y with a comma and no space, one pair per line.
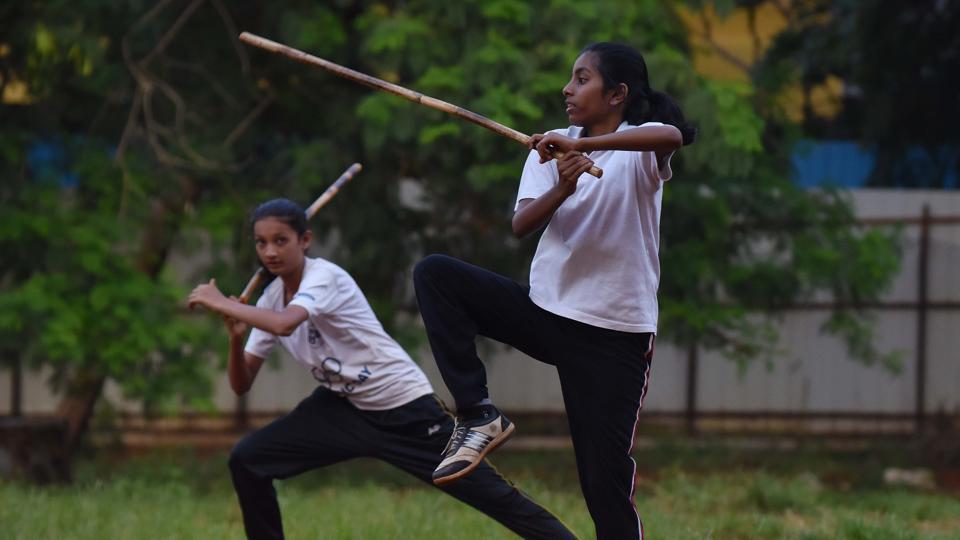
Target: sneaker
471,441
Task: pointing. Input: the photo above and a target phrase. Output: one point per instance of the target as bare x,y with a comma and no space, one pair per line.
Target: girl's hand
570,167
236,328
545,144
206,295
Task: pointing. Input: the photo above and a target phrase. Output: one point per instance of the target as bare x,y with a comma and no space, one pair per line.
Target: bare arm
659,139
532,214
242,367
281,323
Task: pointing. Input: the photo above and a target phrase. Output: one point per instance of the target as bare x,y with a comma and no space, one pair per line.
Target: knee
429,267
240,457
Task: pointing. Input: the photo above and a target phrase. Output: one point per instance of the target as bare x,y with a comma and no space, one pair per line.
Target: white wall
813,375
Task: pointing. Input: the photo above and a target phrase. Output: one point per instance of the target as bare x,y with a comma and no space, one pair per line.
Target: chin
574,121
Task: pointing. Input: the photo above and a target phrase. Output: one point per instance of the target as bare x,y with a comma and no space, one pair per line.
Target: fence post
922,305
692,369
16,389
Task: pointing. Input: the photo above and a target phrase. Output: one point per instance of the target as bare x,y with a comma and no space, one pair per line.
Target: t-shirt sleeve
648,166
317,293
537,178
259,342
664,172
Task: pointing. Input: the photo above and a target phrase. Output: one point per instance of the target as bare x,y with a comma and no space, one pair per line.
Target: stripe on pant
648,356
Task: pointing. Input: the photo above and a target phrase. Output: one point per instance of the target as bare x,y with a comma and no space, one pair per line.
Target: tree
898,63
169,131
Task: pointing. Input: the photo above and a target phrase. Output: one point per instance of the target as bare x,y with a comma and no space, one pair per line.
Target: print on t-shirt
342,343
328,374
314,337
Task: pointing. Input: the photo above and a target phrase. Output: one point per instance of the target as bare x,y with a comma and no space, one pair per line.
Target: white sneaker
471,441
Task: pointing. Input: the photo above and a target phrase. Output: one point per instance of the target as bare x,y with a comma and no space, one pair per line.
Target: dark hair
285,210
618,64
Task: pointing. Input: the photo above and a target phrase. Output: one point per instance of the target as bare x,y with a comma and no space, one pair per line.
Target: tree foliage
161,131
898,63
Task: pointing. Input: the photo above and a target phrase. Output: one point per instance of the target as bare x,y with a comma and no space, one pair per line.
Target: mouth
272,264
570,107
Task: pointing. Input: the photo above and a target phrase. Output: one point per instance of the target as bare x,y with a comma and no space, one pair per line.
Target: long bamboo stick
406,93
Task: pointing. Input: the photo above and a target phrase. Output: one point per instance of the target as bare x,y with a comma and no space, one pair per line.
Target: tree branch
248,120
171,32
233,35
707,35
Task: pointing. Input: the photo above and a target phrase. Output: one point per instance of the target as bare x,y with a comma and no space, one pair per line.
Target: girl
591,307
372,399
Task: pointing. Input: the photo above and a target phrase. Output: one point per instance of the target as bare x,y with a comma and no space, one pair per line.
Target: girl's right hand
570,167
236,328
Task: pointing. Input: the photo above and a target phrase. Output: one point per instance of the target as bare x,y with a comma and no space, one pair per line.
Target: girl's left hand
545,144
206,295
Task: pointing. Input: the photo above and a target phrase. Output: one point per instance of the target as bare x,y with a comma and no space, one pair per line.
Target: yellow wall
724,47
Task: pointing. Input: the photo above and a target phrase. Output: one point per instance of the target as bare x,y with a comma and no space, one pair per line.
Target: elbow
239,389
520,230
674,140
281,328
286,330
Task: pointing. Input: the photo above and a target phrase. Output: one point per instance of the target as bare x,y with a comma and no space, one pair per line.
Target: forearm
278,323
237,370
536,213
659,139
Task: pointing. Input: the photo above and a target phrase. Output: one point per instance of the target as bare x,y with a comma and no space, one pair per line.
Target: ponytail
620,64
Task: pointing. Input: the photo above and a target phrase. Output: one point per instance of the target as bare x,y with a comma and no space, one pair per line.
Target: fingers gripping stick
261,275
379,84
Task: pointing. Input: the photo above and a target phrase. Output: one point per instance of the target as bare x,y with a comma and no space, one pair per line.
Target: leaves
103,245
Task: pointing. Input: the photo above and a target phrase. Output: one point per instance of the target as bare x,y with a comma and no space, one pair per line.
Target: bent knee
241,456
430,266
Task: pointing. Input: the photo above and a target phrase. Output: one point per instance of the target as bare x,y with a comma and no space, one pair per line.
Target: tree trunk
86,384
76,407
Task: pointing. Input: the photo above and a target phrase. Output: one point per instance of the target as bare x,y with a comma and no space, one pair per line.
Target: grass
683,493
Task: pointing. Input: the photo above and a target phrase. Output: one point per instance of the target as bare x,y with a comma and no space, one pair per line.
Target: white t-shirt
597,261
342,343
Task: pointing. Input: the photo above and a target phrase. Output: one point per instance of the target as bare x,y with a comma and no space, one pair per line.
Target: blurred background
810,297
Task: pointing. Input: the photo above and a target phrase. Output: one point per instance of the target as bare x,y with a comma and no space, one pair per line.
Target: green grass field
683,493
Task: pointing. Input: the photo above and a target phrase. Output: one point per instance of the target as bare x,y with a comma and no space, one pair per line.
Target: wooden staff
261,275
379,84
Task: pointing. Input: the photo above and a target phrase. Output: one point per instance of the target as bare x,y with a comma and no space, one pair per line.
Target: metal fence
814,389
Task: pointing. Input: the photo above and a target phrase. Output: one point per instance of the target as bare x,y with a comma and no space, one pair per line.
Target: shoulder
271,294
320,270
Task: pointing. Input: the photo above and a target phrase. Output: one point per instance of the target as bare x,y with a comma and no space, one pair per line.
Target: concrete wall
813,375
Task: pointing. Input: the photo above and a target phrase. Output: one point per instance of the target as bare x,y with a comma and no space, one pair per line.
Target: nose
568,89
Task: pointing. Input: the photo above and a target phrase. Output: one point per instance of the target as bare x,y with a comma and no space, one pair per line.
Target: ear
618,95
305,239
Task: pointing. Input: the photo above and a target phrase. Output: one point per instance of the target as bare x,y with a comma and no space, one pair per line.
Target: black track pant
325,429
603,373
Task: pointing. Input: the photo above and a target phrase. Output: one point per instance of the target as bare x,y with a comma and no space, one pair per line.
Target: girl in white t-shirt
372,400
591,307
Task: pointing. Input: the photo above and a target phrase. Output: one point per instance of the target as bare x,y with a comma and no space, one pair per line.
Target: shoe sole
500,439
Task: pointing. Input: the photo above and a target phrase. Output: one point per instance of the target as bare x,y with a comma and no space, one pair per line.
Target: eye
281,241
259,242
582,80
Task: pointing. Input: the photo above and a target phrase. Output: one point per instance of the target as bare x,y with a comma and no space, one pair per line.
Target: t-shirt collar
575,132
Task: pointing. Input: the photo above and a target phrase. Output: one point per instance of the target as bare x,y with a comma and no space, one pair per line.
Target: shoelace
459,434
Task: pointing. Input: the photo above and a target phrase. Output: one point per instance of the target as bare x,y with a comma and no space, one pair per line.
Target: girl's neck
291,282
603,126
